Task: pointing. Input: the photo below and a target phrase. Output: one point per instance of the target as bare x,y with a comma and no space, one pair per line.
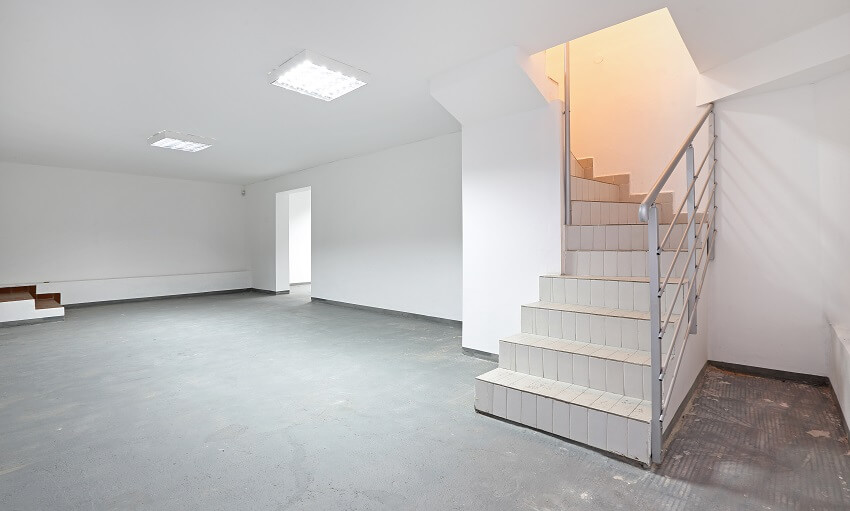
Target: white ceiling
85,83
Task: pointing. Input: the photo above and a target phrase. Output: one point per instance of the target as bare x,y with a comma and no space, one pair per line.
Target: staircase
599,352
25,304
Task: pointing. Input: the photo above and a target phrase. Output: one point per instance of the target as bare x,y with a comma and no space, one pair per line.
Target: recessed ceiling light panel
318,76
180,141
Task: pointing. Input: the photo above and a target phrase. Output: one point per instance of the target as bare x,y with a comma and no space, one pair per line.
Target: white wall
511,227
386,228
832,100
299,236
103,236
767,308
632,99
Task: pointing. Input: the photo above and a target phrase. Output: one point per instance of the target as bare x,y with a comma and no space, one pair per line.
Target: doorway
294,241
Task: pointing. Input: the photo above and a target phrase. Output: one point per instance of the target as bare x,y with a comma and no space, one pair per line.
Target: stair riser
602,293
620,237
612,263
593,328
588,371
613,213
620,435
588,190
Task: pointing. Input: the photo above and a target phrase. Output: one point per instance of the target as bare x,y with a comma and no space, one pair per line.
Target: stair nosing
584,348
592,309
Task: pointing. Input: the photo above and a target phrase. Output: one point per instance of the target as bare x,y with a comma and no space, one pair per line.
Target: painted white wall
386,228
299,236
511,228
767,306
832,102
632,100
103,236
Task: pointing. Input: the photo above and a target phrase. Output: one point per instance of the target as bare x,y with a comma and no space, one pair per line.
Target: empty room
479,255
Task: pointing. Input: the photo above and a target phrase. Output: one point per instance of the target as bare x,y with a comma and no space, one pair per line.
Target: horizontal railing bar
679,322
691,254
643,212
666,400
682,204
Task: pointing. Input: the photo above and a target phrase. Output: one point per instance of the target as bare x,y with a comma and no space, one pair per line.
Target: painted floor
250,401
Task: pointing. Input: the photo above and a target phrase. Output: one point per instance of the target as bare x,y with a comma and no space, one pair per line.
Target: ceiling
85,83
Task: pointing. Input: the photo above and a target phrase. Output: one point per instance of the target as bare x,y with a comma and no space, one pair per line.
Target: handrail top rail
643,212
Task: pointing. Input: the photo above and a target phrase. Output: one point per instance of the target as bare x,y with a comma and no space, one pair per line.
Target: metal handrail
643,212
700,228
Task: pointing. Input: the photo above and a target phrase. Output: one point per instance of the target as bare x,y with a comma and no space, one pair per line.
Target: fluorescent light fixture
318,76
180,141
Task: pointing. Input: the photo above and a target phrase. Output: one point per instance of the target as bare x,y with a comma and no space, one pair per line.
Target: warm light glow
318,77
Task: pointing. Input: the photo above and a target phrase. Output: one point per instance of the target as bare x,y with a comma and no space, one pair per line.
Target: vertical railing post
691,272
713,206
654,328
566,197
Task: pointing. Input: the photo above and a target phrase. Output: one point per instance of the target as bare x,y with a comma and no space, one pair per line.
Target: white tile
583,296
526,320
597,429
580,370
595,213
535,361
624,237
633,381
586,237
568,325
571,262
529,409
611,293
624,264
583,263
627,295
596,264
609,264
617,440
641,297
544,414
555,324
500,399
599,237
514,405
550,364
597,329
565,367
582,327
483,396
507,355
597,293
558,290
561,419
522,358
638,233
629,328
578,423
541,321
638,264
643,336
573,239
545,289
647,382
596,373
570,291
614,376
638,440
613,332
612,241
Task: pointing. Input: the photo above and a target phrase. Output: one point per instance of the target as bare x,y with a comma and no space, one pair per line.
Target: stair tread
590,309
46,303
628,355
610,278
607,402
15,297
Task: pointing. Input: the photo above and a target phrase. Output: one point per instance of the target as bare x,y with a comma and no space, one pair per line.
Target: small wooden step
46,303
14,297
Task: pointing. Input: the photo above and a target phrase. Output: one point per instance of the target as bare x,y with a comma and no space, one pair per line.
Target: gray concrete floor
249,401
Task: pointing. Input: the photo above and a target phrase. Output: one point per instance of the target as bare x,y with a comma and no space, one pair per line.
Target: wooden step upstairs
23,304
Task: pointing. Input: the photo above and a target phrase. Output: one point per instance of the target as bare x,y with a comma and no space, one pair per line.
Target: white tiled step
621,237
598,325
604,420
618,263
629,293
618,370
590,190
612,213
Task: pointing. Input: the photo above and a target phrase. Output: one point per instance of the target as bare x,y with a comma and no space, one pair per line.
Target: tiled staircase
24,303
580,369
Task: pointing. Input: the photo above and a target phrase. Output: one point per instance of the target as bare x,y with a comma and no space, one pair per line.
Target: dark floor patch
775,444
250,401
